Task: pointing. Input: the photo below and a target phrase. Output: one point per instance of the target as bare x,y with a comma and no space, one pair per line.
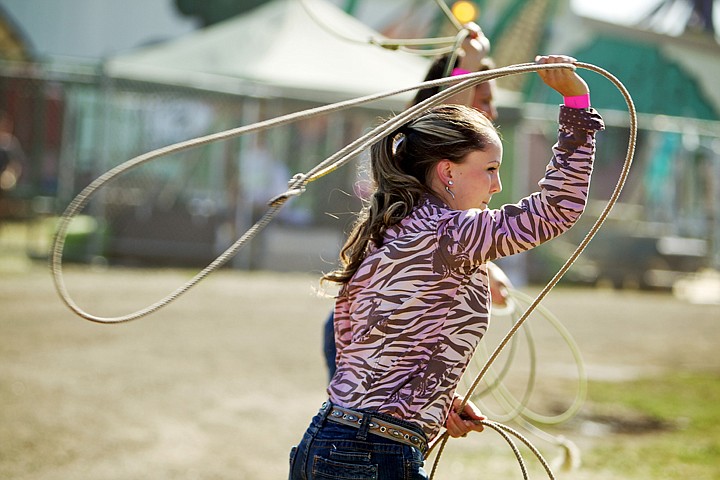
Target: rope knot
296,186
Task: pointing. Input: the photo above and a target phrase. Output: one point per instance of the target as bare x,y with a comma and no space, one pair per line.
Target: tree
214,11
697,14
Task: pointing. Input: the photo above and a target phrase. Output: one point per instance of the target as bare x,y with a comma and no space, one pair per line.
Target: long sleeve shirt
408,322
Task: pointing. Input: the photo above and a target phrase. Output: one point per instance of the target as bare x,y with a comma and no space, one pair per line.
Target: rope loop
330,164
325,167
506,433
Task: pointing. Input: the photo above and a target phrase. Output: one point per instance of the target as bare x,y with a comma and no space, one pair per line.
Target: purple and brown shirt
408,322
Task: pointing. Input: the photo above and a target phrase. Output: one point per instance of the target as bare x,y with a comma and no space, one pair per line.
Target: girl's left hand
459,424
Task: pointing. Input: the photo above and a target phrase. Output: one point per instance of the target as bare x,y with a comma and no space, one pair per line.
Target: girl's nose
497,185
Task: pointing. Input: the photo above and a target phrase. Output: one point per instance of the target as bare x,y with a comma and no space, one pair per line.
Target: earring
447,189
451,183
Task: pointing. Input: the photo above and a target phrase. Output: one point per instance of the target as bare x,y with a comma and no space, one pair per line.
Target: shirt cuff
578,101
583,119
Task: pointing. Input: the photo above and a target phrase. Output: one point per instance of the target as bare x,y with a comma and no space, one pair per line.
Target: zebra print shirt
408,322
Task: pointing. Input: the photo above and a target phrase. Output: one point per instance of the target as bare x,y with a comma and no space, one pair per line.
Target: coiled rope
517,410
517,303
299,182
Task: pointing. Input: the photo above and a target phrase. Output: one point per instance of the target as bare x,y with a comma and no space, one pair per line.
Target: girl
414,299
472,57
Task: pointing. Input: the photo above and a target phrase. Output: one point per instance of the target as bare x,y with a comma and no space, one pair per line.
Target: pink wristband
459,71
579,101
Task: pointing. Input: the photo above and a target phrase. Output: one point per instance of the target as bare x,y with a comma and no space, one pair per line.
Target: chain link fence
74,124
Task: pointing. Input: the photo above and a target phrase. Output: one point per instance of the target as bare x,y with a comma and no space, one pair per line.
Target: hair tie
398,142
399,137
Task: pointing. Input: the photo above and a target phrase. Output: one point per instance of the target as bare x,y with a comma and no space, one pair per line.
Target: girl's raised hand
563,80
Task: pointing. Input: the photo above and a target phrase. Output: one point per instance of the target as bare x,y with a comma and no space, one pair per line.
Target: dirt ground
222,382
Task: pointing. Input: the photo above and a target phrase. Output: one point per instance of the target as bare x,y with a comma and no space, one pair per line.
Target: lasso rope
299,182
516,410
494,385
448,44
296,185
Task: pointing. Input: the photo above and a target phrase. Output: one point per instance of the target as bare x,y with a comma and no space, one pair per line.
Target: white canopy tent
279,50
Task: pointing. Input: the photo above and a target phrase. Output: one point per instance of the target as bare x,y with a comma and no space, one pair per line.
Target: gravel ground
222,382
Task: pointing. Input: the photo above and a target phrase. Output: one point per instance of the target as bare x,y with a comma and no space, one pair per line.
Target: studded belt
378,426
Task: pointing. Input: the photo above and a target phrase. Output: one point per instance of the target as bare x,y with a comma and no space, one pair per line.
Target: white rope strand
390,44
494,381
505,432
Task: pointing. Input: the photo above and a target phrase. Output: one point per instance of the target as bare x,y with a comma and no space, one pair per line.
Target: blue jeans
333,451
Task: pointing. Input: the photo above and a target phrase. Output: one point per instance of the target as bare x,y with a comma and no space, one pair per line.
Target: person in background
12,156
414,298
471,57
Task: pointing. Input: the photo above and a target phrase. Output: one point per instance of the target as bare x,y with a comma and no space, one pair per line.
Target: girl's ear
443,170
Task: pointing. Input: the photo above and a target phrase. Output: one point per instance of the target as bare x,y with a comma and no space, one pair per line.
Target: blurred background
221,383
88,84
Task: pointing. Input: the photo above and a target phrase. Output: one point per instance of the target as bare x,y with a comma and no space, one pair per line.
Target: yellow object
464,11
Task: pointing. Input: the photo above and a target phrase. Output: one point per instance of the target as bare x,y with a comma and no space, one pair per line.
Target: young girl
414,299
472,58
